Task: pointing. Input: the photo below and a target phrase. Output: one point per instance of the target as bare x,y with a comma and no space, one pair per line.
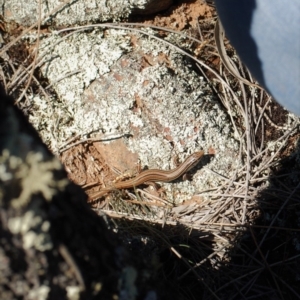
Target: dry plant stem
230,195
278,213
96,139
199,264
34,64
193,270
19,72
7,77
11,64
266,263
285,187
248,152
223,55
229,227
155,198
19,78
287,285
250,255
41,88
176,252
264,152
249,286
127,24
221,198
216,210
285,260
268,163
270,121
229,181
65,253
228,106
221,238
41,59
261,114
220,209
253,110
224,100
240,277
69,74
138,202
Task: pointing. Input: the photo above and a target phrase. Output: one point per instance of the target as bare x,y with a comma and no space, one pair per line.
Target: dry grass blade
278,213
219,32
266,264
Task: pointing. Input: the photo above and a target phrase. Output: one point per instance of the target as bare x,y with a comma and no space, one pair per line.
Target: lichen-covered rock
77,12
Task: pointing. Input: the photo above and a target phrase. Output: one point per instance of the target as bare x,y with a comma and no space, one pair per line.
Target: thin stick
65,253
277,214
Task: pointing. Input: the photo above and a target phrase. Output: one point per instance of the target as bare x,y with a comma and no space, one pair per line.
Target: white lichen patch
39,293
35,175
33,229
73,292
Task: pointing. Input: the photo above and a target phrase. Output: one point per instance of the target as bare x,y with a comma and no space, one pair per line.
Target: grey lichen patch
33,228
74,13
93,55
169,109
